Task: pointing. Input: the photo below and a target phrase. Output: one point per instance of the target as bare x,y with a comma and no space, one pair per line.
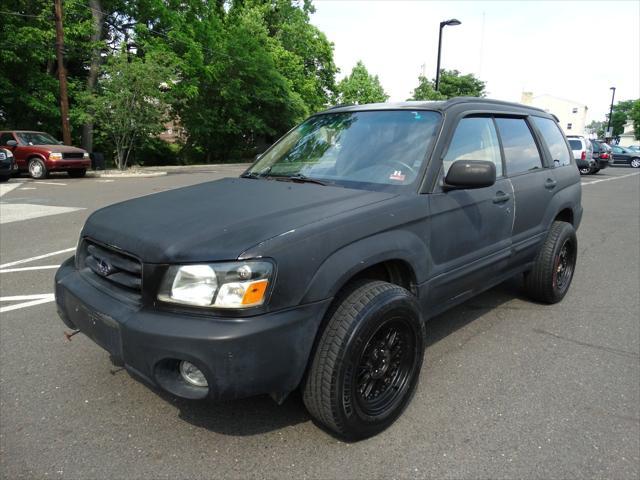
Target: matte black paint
455,244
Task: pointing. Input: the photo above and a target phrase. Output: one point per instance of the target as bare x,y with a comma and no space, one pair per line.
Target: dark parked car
623,156
602,155
39,153
318,267
7,164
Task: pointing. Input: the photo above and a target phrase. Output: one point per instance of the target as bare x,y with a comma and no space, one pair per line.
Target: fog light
192,374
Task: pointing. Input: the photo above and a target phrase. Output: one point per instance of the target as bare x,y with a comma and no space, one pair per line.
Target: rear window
575,144
555,141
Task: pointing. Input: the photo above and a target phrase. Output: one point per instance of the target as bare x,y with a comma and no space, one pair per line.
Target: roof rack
457,100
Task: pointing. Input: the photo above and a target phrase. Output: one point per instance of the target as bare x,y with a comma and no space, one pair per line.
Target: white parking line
24,269
31,259
612,178
52,183
32,300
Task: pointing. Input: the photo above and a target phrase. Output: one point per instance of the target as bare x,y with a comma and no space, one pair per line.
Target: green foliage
596,127
29,88
634,115
621,111
361,87
132,101
244,71
452,84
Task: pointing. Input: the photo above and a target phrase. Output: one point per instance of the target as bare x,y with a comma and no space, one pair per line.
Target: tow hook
68,335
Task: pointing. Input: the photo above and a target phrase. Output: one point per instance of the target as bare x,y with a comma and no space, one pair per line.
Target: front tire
553,270
635,162
37,169
367,362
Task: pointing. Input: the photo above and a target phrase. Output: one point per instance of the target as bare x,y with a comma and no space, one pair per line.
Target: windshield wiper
255,174
298,177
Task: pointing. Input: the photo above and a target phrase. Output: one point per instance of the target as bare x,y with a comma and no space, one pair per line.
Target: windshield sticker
397,175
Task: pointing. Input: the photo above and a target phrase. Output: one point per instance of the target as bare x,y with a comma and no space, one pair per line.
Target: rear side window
555,141
520,150
575,144
475,138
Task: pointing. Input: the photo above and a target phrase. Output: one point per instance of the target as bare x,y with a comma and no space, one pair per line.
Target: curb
125,175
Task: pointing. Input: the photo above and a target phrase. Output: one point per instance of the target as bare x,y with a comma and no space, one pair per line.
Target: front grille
116,267
72,155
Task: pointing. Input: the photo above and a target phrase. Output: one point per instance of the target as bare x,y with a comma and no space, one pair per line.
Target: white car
582,153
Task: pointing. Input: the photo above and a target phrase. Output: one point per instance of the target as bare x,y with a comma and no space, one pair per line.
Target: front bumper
54,165
240,357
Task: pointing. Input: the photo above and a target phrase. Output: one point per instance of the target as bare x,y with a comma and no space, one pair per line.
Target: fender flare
339,267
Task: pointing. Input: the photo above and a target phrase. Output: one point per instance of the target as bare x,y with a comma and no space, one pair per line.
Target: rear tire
594,171
37,169
78,173
585,170
635,162
553,270
4,178
367,362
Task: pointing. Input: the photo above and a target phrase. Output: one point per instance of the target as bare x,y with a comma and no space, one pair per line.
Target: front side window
376,150
555,141
475,138
520,150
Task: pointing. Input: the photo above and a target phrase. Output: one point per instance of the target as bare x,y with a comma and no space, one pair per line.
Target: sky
570,49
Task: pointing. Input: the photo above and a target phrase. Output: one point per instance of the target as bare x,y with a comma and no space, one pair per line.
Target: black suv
318,267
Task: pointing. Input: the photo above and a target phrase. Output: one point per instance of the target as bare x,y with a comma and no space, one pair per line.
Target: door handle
550,183
501,197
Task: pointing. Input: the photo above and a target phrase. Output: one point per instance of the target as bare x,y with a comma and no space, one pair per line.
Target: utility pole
453,22
62,74
609,133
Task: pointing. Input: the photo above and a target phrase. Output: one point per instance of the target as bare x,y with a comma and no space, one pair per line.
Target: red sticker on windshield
397,175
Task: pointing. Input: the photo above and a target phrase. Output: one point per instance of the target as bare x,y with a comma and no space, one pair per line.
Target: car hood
218,220
56,148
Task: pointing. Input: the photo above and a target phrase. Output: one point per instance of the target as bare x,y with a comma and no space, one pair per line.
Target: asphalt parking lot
509,388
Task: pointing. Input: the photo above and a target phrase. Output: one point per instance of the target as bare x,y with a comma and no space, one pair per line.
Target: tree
361,87
621,111
634,115
131,101
452,84
598,128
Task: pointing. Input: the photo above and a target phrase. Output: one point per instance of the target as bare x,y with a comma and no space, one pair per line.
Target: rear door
533,185
470,229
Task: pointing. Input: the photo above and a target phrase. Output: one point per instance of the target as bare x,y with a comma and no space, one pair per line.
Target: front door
470,229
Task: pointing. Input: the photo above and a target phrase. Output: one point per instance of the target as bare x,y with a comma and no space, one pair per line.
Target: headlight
9,153
85,155
217,285
55,156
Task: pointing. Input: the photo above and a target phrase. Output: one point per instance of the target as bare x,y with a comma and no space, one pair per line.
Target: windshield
377,150
37,138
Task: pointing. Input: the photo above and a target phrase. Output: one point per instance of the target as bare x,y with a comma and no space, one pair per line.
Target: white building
628,136
572,115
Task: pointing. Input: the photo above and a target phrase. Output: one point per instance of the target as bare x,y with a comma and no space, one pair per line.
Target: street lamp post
613,95
453,22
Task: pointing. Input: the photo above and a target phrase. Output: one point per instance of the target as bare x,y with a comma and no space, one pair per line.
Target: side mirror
12,143
470,174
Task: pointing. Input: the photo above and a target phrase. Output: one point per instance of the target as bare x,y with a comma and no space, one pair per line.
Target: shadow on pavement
257,415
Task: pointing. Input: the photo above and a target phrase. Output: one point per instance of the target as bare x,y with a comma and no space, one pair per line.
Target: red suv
39,153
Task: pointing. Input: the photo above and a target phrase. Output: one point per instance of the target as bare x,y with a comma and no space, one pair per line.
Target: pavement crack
615,351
